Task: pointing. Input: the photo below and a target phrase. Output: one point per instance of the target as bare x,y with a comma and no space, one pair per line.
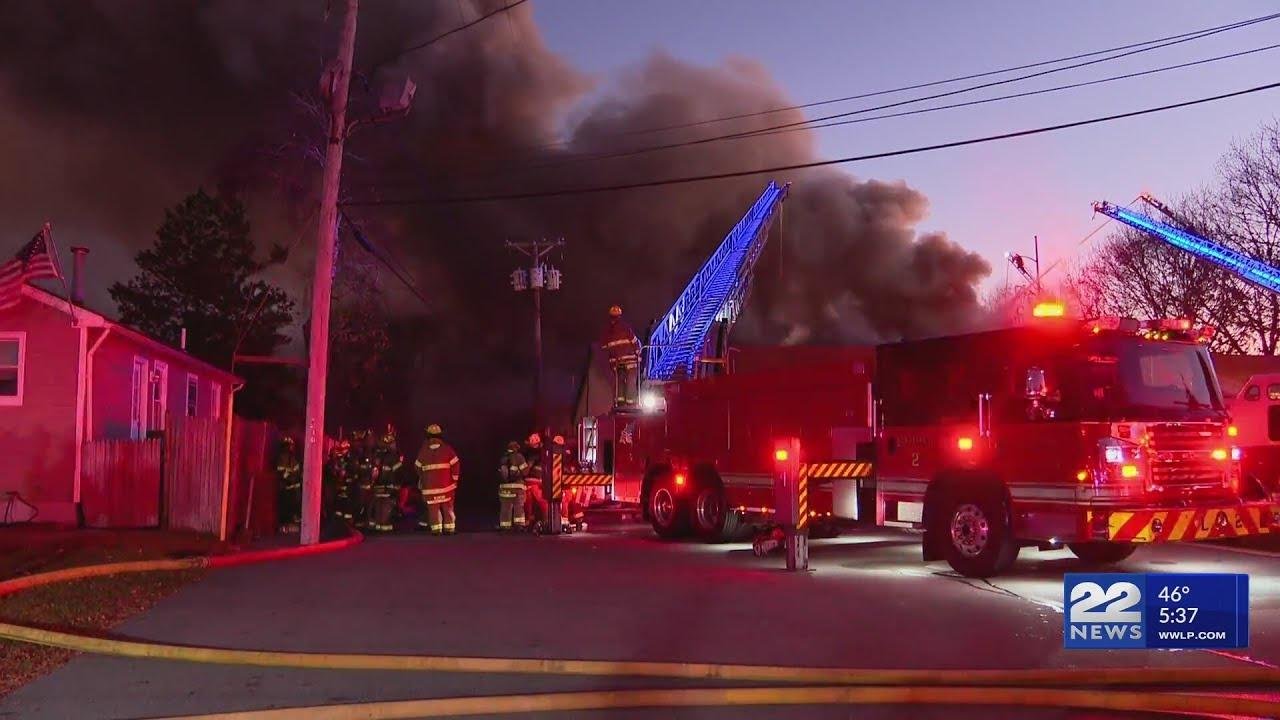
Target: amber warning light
1049,309
780,455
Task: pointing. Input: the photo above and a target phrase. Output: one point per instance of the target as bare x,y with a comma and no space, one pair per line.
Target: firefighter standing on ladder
511,470
439,470
623,348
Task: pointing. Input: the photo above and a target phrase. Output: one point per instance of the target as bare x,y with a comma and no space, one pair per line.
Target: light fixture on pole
539,276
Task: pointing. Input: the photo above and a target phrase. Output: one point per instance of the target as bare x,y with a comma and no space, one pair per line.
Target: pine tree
200,275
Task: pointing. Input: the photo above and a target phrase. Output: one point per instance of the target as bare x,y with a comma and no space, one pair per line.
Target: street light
539,276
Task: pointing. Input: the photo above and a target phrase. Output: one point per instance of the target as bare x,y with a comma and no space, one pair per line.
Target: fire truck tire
978,541
713,520
1101,553
668,512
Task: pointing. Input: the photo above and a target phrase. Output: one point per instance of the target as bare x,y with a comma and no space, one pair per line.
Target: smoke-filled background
112,110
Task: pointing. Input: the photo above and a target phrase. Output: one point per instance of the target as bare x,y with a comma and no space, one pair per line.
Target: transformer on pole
537,277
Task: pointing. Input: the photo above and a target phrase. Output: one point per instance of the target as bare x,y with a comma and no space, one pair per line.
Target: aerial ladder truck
1254,398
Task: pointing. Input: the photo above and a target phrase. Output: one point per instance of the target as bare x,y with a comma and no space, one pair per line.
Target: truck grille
1181,456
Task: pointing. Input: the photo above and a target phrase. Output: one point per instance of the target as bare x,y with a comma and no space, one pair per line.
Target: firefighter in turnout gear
622,346
289,495
386,484
362,475
536,509
572,513
438,473
338,477
511,470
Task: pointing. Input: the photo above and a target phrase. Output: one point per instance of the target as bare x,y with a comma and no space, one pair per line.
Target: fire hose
1027,687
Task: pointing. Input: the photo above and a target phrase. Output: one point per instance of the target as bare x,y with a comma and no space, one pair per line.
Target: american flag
32,262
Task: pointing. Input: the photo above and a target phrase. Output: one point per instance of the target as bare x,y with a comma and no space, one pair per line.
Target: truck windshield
1131,378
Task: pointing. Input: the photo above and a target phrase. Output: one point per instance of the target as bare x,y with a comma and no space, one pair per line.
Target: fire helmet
434,430
615,311
558,440
513,446
535,440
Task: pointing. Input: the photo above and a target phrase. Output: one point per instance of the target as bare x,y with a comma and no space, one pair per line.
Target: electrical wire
807,165
1132,48
400,274
969,103
414,48
935,83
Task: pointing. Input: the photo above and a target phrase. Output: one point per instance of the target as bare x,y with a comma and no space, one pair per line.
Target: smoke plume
114,109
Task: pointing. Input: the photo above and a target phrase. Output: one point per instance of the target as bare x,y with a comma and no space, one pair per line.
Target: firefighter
623,349
289,494
387,462
362,476
338,478
536,509
572,514
439,470
511,470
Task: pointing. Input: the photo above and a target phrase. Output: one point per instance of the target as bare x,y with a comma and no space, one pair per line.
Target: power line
949,93
800,125
937,108
813,164
372,250
1165,42
414,48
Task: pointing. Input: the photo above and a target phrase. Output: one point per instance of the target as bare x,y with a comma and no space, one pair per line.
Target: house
80,396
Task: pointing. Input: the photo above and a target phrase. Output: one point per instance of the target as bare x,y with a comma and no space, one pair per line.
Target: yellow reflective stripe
614,343
453,461
437,491
434,466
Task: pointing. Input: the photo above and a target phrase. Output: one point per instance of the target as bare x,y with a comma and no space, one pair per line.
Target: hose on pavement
1113,700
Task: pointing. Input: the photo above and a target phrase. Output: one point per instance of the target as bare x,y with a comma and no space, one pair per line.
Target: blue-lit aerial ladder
683,341
1248,268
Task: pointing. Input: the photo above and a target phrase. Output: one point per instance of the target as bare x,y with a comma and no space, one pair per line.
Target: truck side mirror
1037,388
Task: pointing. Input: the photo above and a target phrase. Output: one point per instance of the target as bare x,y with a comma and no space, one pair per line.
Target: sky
990,198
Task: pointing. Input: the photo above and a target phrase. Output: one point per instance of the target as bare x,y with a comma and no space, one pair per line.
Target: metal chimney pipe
77,274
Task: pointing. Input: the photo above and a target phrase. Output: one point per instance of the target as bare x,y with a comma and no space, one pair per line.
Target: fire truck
1095,435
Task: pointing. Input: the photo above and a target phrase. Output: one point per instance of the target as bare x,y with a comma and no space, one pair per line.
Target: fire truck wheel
712,519
1101,553
977,535
668,513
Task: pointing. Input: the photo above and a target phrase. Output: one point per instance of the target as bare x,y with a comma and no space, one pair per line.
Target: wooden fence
176,481
195,453
120,483
251,506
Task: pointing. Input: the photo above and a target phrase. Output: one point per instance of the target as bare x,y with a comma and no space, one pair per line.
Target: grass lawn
92,605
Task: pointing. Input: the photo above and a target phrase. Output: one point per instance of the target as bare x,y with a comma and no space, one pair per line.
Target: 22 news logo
1105,611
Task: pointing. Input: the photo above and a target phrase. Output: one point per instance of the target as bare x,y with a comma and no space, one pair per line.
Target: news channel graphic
1157,611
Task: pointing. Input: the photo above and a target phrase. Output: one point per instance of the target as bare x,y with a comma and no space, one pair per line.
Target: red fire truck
1097,435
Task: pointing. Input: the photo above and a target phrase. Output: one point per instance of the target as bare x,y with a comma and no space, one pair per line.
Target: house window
139,398
193,395
13,347
159,406
215,400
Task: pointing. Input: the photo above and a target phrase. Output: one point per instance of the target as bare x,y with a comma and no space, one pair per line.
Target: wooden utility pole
337,83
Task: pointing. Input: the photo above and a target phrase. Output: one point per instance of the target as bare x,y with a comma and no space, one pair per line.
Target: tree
200,275
1132,274
359,342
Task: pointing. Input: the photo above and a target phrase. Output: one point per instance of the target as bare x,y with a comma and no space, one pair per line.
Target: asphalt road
869,602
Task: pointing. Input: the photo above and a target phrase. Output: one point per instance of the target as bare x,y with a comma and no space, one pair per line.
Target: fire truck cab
1094,435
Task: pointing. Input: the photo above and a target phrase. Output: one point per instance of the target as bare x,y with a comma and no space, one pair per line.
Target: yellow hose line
724,697
1251,675
1095,677
26,582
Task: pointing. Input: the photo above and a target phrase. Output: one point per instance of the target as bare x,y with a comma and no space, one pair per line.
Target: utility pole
1019,263
336,84
540,276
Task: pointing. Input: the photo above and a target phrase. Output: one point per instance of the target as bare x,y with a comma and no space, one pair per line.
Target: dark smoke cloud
113,110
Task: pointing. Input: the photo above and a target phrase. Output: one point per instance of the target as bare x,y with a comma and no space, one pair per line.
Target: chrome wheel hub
970,530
